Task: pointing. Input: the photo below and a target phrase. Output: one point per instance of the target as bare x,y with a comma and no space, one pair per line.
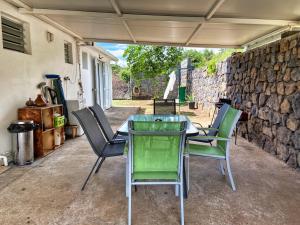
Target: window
68,52
13,35
85,61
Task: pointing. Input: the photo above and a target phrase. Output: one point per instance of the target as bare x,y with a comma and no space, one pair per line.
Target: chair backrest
91,130
103,122
156,147
164,106
227,125
220,116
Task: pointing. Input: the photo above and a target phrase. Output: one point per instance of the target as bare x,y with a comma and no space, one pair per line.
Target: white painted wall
20,73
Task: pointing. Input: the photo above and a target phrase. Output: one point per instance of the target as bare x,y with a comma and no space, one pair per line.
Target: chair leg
100,164
212,119
247,130
221,167
181,204
129,204
188,173
236,133
88,177
230,175
127,177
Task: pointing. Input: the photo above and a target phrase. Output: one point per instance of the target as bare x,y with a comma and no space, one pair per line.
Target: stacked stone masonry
266,81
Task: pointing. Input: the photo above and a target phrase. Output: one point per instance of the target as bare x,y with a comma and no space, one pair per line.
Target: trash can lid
22,122
20,126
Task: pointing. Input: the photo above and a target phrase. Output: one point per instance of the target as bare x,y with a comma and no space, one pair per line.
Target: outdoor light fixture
49,36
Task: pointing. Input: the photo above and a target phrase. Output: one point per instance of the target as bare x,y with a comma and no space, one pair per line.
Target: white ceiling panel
232,34
91,27
261,9
166,7
181,22
82,5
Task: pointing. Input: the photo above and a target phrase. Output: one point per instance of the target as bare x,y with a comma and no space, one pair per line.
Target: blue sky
118,50
115,49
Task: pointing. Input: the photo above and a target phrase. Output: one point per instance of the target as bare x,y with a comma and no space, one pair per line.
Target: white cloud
121,46
118,53
122,63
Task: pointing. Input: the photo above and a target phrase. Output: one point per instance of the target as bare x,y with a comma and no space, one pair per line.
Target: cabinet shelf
44,136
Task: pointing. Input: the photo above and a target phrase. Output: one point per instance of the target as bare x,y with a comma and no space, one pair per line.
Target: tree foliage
145,61
216,58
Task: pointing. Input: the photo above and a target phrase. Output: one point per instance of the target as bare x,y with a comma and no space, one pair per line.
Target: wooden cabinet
46,137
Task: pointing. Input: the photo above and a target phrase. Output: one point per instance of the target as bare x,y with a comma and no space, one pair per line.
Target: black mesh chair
105,125
212,130
164,106
101,147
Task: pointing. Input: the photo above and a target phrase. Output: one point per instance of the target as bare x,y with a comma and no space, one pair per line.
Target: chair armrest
207,128
197,124
117,141
210,138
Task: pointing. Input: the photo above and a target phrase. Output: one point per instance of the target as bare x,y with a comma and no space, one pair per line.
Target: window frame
13,34
68,52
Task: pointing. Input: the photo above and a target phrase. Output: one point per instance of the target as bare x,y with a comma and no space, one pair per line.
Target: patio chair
102,148
222,149
164,106
213,129
155,156
105,125
219,104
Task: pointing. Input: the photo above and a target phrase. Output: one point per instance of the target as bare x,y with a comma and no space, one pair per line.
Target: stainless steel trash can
22,141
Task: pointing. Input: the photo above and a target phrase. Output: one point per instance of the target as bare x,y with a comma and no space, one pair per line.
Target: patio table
190,131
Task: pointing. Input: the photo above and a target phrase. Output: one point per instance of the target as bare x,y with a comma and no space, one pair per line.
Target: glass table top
191,129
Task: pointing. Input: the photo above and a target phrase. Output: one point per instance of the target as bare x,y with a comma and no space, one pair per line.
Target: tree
145,61
208,54
116,69
217,58
197,58
125,74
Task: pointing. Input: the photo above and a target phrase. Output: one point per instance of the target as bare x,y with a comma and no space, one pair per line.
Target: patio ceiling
201,23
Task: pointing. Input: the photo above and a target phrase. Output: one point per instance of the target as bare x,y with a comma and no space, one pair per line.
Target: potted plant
191,100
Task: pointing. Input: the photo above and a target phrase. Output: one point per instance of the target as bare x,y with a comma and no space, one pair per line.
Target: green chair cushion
206,150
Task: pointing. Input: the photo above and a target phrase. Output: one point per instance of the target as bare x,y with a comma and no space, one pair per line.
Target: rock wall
205,88
120,88
150,88
266,81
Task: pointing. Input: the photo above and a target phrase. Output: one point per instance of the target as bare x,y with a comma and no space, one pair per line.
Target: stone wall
120,88
205,88
149,88
266,81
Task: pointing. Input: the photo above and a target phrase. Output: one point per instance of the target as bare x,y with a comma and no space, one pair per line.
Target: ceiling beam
214,8
159,43
248,21
44,18
18,3
208,16
58,26
197,19
266,36
198,27
119,13
59,12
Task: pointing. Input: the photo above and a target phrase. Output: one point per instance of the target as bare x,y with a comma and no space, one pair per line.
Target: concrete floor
48,192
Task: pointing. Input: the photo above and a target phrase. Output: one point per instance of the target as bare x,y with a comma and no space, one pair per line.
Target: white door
101,84
96,81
